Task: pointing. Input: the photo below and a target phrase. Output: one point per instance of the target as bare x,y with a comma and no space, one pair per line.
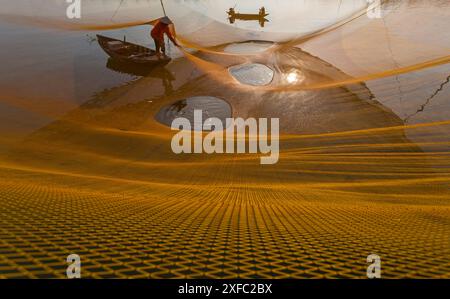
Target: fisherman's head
166,20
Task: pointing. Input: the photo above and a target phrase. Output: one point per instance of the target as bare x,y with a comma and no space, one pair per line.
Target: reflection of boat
261,16
138,70
131,53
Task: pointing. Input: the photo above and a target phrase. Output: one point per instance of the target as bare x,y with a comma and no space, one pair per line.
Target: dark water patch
210,107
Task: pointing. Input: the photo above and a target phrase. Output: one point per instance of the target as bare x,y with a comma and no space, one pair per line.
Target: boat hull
126,52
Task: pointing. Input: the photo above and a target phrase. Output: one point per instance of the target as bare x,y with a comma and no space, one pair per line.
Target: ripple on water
210,107
254,74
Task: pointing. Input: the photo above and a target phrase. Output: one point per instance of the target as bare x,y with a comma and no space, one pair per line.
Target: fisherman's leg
163,47
158,47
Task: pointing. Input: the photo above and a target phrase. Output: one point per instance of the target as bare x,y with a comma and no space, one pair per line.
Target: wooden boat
126,52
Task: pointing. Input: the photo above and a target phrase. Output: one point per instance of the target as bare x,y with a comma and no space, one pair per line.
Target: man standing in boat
161,27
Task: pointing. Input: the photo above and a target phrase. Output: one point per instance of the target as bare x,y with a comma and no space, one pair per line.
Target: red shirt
159,30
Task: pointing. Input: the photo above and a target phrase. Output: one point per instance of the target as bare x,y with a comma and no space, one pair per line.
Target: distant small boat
247,16
124,51
260,17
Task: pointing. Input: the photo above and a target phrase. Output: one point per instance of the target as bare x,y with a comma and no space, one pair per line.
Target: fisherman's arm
171,34
173,40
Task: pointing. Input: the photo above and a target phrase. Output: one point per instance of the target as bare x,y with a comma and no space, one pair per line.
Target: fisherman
163,26
232,15
262,12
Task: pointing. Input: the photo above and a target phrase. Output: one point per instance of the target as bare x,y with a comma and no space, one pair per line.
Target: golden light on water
293,77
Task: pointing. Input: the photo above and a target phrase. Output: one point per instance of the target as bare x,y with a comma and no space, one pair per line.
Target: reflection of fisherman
163,26
179,106
167,79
